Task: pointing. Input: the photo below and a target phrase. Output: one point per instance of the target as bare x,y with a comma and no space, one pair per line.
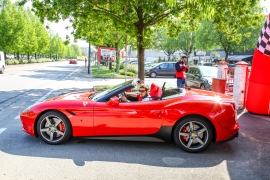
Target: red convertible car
192,118
73,61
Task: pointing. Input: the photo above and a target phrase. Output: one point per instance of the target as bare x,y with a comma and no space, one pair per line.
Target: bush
121,66
131,74
122,71
132,68
15,61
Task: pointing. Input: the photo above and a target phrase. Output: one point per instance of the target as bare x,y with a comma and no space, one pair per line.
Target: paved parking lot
26,157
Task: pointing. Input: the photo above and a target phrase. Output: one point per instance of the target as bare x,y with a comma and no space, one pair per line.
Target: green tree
137,18
77,50
209,38
30,40
43,38
165,43
11,27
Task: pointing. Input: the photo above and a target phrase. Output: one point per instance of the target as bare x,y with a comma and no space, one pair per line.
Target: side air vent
70,112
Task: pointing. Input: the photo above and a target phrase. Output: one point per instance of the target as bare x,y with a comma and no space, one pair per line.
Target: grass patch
106,73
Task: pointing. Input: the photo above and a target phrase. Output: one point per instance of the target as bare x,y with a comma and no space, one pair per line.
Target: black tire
153,75
2,71
202,87
195,139
56,128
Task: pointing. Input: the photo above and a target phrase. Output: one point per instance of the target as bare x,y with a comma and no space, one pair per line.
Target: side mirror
114,101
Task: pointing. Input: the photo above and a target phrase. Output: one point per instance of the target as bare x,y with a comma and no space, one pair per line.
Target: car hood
73,96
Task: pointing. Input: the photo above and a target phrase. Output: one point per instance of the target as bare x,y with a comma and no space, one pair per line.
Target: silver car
201,77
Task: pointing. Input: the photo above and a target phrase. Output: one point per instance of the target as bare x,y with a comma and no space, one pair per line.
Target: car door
197,78
163,68
190,77
170,69
130,118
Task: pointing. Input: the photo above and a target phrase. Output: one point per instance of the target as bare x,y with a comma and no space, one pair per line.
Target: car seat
155,92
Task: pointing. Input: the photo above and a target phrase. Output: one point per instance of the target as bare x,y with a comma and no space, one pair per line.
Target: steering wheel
120,96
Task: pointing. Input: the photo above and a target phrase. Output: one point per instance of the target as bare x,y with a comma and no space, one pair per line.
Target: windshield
211,72
102,93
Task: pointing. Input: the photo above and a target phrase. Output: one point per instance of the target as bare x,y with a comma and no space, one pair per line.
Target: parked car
192,118
231,66
161,69
206,64
201,77
2,63
73,61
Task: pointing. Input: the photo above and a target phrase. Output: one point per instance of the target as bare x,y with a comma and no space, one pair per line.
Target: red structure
258,96
106,54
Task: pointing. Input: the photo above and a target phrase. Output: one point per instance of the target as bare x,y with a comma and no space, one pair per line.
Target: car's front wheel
53,128
193,134
153,74
203,87
2,71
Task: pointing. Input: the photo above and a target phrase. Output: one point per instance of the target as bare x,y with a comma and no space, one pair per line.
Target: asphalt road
25,157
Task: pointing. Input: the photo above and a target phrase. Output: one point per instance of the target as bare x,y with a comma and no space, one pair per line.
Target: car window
209,72
191,70
171,65
163,66
196,71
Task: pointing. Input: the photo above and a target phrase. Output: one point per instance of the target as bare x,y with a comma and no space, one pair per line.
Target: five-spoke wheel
193,134
53,127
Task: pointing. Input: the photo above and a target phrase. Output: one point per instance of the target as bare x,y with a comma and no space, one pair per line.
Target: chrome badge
85,103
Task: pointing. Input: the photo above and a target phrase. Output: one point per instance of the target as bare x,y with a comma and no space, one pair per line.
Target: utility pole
89,60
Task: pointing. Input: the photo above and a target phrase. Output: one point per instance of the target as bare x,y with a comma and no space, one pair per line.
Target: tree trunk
140,27
226,55
28,56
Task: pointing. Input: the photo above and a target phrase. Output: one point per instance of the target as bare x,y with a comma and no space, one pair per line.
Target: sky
60,27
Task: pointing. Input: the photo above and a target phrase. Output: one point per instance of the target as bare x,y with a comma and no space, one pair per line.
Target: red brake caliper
185,130
61,127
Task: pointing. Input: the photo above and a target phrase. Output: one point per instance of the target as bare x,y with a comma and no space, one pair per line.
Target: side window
163,66
196,71
191,70
171,65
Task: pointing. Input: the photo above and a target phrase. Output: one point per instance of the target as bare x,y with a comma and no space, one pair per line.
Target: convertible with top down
192,118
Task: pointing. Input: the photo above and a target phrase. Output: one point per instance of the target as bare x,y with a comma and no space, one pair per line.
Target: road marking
73,72
40,100
2,130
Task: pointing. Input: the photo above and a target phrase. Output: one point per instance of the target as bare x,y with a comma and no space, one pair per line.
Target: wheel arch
43,112
194,115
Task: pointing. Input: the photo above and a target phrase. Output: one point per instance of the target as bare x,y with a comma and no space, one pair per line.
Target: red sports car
73,61
192,118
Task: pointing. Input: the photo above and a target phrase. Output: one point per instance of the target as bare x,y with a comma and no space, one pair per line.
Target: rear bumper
227,133
231,138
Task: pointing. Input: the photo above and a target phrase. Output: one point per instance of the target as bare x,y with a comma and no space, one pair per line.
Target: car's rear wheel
3,70
153,74
53,128
193,134
202,86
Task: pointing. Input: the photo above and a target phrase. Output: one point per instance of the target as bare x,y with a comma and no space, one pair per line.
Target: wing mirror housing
114,101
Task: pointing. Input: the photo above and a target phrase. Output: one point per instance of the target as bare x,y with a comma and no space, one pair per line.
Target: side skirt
163,135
